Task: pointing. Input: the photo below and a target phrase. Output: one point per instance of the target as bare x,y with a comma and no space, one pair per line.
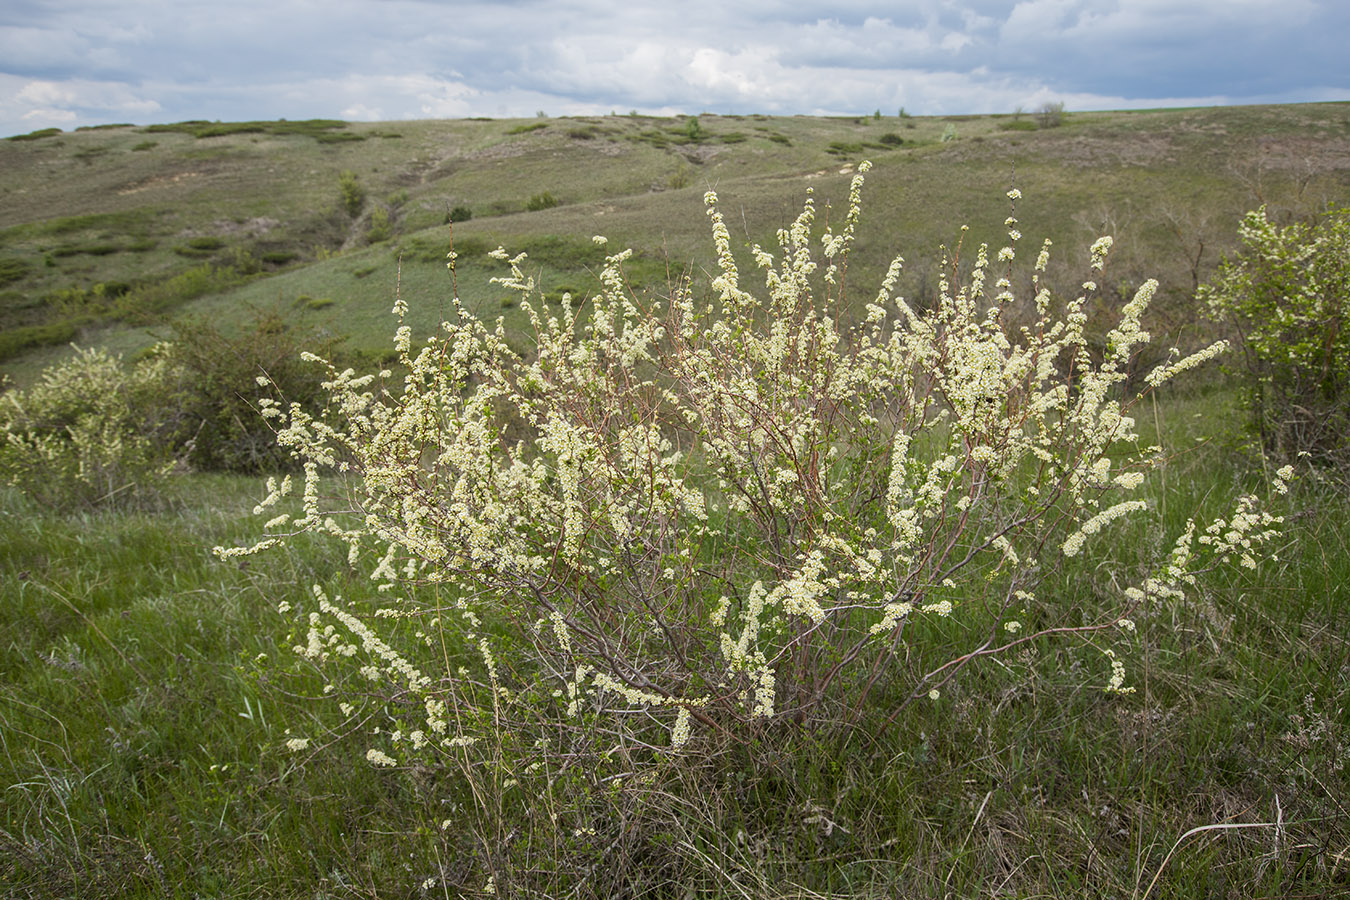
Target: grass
149,690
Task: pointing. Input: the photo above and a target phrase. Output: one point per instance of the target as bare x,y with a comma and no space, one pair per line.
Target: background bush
219,425
351,193
542,201
1286,296
94,431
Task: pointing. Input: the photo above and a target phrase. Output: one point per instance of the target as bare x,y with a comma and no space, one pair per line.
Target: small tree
352,192
1287,298
380,225
1050,115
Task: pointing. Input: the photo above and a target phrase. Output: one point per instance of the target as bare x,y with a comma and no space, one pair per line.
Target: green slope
252,211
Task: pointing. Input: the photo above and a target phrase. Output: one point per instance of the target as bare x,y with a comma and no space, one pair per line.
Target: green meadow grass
149,690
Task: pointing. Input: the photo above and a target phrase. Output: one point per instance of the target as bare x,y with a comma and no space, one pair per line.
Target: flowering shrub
682,521
93,431
1287,297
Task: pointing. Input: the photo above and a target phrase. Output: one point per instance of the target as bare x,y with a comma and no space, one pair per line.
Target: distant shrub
322,130
680,178
206,243
351,193
279,257
541,202
381,228
844,148
35,135
1286,296
14,341
781,139
527,128
338,137
150,298
891,139
1050,115
94,431
460,214
1018,125
145,145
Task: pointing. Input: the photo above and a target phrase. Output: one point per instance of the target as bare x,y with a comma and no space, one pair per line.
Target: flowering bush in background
93,431
1287,297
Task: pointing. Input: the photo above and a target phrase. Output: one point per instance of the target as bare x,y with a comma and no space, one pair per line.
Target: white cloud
179,59
47,117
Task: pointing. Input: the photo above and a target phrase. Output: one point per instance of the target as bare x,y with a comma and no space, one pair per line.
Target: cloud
38,103
179,59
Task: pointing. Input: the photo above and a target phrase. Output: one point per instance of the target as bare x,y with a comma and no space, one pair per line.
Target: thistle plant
683,519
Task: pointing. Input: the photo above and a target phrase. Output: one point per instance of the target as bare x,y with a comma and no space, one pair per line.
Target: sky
72,63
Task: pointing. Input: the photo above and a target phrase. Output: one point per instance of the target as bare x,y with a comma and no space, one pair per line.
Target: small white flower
379,758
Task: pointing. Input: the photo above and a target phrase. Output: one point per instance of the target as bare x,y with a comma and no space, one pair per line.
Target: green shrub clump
540,202
698,524
94,431
219,398
1286,296
351,193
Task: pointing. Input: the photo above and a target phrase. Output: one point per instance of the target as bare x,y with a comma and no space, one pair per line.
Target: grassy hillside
161,737
213,219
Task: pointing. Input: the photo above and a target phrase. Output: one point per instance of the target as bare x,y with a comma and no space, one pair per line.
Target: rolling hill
108,233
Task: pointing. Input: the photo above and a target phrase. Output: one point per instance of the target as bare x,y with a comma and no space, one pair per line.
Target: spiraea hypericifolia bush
93,431
1287,298
681,521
